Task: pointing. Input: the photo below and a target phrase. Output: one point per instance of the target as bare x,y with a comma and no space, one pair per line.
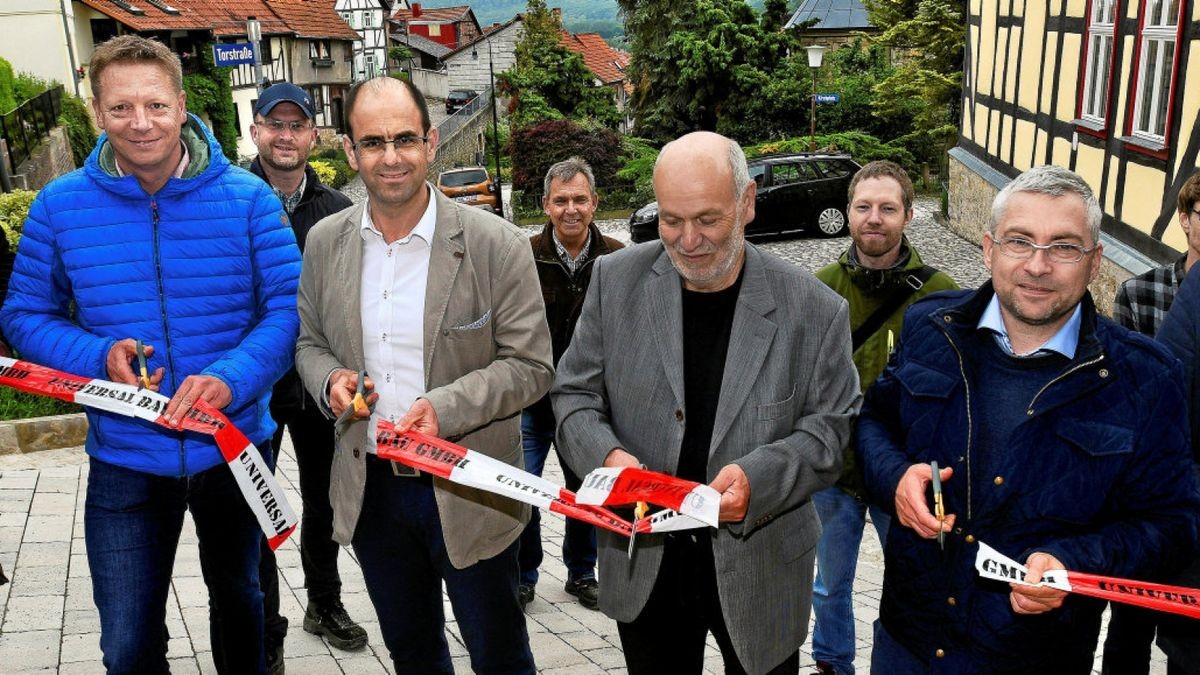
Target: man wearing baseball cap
285,133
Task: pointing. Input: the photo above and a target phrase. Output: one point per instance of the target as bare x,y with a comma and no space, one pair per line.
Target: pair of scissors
359,403
144,373
939,506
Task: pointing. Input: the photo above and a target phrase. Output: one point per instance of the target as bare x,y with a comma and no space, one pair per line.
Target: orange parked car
470,185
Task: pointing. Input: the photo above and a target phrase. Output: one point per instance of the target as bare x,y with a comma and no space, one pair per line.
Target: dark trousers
312,441
399,543
132,522
1130,634
669,635
579,539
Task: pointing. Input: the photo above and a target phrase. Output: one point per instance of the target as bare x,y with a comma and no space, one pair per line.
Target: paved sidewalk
48,622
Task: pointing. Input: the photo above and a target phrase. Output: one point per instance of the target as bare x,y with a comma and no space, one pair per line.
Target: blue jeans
843,519
399,543
579,541
132,522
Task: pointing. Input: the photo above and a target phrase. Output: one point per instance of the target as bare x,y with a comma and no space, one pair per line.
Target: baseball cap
279,93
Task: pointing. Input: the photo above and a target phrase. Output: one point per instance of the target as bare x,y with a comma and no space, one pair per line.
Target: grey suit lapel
445,257
349,265
666,315
749,342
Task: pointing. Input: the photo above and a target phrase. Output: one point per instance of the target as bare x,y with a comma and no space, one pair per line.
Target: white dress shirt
393,314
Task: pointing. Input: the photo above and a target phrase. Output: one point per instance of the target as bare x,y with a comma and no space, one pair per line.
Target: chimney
416,9
557,14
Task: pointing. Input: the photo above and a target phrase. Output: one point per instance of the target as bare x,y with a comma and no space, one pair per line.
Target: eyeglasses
376,146
278,126
124,111
1020,248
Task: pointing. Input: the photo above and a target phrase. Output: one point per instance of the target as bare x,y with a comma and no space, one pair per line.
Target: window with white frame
370,64
1156,68
368,19
1098,67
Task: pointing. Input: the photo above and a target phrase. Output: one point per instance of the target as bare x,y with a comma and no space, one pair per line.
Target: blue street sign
233,54
828,98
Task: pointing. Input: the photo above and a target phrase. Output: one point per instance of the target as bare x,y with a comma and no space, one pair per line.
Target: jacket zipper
1085,364
162,310
962,370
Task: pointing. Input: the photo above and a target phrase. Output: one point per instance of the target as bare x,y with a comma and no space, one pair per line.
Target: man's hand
617,457
4,350
196,388
1039,599
120,364
343,384
734,487
912,509
420,417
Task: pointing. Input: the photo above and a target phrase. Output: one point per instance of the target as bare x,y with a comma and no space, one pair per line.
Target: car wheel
831,222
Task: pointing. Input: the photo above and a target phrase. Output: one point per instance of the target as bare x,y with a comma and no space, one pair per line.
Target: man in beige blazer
441,305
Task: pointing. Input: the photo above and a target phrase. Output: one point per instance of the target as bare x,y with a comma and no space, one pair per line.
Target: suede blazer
789,395
487,356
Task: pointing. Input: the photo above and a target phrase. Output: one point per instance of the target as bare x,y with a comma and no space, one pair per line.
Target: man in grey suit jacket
441,304
703,357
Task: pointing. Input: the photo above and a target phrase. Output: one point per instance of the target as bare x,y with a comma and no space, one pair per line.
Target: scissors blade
144,379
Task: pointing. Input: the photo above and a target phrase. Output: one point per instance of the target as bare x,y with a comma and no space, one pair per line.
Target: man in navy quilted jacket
159,238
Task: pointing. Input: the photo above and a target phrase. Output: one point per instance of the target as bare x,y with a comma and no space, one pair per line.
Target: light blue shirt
1065,341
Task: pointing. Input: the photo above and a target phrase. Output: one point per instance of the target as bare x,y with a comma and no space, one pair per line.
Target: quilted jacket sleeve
266,352
36,317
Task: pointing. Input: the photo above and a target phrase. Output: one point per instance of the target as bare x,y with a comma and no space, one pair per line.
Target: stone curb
42,433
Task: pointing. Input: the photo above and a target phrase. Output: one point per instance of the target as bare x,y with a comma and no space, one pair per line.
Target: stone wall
970,206
464,147
51,160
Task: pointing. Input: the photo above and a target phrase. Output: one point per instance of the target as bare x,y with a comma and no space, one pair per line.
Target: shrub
335,158
8,99
27,86
325,172
78,123
535,148
14,208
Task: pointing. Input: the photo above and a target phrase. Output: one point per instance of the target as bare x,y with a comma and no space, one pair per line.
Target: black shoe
275,660
330,620
525,594
824,668
587,590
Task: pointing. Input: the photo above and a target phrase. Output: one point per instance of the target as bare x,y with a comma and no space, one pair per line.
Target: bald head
381,85
713,153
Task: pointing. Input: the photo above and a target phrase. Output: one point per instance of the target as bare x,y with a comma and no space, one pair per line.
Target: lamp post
815,54
254,33
495,124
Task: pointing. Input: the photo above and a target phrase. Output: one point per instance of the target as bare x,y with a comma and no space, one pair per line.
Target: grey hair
737,165
568,169
1053,181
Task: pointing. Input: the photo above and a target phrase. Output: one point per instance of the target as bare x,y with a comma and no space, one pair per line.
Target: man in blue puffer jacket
159,238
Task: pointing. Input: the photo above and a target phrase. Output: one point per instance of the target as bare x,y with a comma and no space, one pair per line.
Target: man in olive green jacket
880,275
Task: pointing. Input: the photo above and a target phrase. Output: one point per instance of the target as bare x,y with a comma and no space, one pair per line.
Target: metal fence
455,122
26,126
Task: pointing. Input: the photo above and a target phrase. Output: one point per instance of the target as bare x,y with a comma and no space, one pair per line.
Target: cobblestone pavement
48,622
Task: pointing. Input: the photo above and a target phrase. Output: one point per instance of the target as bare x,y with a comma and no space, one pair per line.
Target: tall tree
550,82
696,65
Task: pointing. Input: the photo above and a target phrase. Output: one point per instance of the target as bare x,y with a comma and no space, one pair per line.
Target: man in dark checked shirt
1141,305
1142,301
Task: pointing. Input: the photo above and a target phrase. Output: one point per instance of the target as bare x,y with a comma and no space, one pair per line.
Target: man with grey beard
702,357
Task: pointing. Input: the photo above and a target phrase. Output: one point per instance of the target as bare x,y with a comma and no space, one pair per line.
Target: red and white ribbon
461,465
994,565
627,485
257,483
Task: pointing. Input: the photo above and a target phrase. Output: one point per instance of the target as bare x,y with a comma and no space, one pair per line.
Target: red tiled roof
436,14
313,18
308,18
606,63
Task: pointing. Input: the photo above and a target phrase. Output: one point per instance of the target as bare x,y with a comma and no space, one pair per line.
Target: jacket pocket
770,411
1091,459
